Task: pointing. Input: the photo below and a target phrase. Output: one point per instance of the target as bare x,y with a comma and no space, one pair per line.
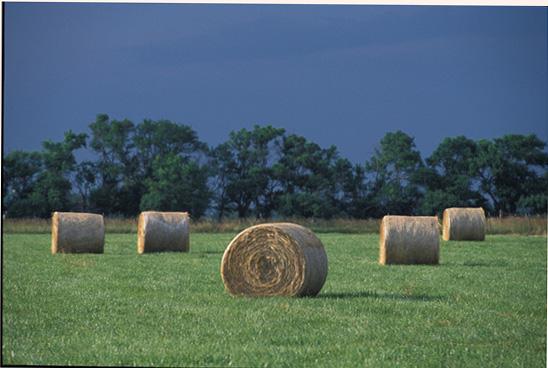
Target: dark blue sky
342,75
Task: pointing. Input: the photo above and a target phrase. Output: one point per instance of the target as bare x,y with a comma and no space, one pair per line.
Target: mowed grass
483,306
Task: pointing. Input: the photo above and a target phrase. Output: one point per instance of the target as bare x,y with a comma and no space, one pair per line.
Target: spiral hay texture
274,259
163,232
409,240
463,224
73,232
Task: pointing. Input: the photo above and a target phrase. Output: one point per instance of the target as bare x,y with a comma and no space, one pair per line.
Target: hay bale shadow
375,295
477,264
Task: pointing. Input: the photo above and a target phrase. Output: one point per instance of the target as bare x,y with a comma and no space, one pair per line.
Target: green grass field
483,306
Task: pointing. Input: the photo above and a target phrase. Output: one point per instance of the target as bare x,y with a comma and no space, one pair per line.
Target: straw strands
274,259
463,224
73,232
163,232
409,240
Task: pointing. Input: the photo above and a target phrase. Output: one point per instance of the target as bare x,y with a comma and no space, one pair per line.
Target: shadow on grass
477,264
369,294
211,252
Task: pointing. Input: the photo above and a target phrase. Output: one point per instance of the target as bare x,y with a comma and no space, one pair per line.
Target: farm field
483,306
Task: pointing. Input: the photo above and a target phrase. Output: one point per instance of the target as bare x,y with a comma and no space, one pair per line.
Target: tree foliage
264,172
449,176
510,169
36,184
313,181
394,168
20,171
244,167
176,185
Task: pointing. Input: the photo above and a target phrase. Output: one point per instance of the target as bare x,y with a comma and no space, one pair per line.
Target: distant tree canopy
265,172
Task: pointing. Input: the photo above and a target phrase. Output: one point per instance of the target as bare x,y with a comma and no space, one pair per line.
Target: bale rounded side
409,240
75,232
274,259
163,232
463,224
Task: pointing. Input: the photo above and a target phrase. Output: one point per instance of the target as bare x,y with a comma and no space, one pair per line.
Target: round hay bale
463,224
274,259
163,232
409,240
73,232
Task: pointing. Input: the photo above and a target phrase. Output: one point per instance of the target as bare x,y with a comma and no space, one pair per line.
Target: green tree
244,171
52,191
84,183
393,171
159,138
511,168
312,180
354,200
450,176
177,185
533,204
20,171
118,188
222,164
164,147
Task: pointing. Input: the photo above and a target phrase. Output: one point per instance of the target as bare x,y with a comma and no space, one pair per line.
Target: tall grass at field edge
534,225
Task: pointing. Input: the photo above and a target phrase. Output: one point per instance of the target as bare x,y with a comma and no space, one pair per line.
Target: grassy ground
483,306
534,225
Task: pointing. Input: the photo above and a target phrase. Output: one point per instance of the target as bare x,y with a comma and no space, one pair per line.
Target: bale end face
274,259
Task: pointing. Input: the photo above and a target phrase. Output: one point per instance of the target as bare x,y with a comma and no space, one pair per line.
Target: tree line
266,172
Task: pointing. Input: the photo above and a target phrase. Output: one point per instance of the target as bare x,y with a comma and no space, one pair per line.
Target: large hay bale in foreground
409,240
463,224
274,259
73,232
163,232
